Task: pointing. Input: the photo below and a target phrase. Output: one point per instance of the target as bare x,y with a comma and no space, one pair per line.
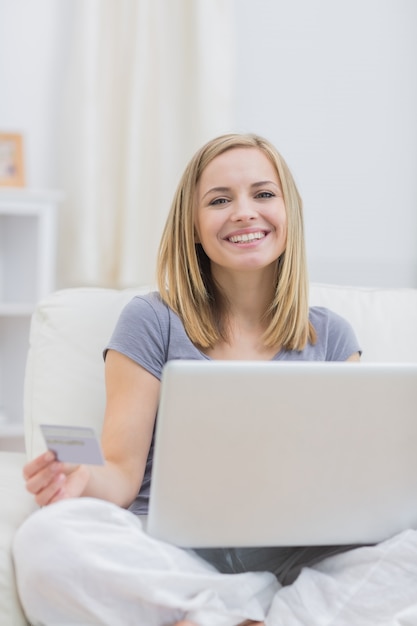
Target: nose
243,210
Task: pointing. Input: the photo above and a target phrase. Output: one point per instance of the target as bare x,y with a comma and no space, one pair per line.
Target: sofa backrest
64,378
64,381
384,320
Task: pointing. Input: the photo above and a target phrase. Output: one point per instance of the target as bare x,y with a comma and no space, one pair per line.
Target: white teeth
246,238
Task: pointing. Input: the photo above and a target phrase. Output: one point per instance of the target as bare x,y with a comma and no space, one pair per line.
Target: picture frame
11,160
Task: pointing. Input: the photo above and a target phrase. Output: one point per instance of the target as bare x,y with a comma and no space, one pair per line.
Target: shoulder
320,316
150,333
334,334
146,305
146,309
145,316
142,332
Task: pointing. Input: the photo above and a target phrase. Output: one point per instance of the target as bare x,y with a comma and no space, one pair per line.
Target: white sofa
64,378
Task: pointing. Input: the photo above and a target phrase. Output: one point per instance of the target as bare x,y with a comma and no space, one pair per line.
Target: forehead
237,164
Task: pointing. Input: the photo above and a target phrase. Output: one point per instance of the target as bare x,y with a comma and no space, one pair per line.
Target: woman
232,285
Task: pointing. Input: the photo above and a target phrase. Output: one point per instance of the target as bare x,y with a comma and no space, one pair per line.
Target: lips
247,237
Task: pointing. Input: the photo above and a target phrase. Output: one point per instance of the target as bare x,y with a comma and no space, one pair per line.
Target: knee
35,544
58,538
32,551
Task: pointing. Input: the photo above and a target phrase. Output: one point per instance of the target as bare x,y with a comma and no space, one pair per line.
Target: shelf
28,220
12,438
16,309
11,429
18,201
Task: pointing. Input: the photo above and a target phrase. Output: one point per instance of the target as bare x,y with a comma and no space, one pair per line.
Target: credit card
73,444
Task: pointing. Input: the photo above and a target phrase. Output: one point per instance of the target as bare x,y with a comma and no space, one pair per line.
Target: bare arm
354,357
131,403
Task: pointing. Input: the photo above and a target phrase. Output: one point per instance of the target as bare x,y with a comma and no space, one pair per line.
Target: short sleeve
341,339
141,333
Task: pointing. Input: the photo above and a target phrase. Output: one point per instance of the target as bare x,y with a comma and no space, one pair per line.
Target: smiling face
240,218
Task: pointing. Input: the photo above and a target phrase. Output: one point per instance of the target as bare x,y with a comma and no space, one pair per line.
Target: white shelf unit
27,273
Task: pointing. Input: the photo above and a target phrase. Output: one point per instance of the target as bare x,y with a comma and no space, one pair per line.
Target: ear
196,237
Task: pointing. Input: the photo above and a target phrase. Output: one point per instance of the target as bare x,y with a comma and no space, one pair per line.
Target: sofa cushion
16,505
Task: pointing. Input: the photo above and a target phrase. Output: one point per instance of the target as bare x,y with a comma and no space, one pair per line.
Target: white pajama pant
86,561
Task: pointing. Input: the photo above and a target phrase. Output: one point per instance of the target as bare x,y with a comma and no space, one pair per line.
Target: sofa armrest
15,505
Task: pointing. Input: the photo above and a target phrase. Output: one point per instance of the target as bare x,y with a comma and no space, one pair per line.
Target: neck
248,298
248,295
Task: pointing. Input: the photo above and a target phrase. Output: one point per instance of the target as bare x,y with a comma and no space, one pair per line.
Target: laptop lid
278,453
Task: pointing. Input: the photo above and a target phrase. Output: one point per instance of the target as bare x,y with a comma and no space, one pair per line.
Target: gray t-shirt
151,334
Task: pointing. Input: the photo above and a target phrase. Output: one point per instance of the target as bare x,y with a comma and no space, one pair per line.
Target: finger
52,491
38,482
70,486
36,465
61,494
69,468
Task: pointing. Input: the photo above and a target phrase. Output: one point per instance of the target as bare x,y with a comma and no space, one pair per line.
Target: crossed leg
247,623
120,567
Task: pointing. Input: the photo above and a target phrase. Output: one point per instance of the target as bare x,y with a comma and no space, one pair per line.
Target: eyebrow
256,185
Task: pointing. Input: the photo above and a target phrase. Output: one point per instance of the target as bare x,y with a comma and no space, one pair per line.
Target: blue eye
218,201
265,194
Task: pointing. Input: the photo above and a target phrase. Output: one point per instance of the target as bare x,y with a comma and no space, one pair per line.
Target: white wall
334,86
32,62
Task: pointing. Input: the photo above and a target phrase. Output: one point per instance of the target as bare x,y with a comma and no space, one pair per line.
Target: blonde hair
183,270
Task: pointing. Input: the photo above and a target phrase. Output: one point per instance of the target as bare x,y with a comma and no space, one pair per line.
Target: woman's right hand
132,401
50,480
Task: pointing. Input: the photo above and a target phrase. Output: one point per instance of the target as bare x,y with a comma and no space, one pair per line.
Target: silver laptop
280,454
